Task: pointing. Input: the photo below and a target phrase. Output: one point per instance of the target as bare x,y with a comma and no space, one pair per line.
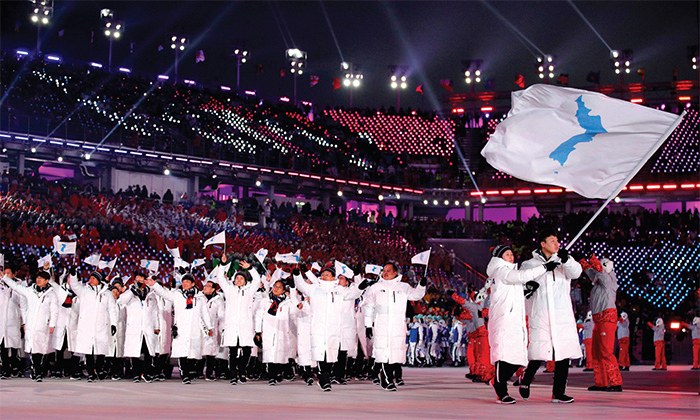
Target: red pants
589,352
482,356
470,356
606,371
624,359
660,347
550,366
696,353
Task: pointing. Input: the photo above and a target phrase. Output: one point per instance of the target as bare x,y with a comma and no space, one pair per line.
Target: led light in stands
507,192
675,325
653,187
540,191
556,190
284,99
20,52
225,88
670,186
250,92
636,187
687,186
636,100
684,98
458,110
486,108
476,193
96,65
56,58
492,192
524,191
124,70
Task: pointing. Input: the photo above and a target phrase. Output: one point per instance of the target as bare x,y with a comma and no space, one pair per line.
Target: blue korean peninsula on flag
575,139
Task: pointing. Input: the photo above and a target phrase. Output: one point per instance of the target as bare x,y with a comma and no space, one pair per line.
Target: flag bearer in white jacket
10,325
507,329
165,339
385,313
238,327
64,336
115,356
40,321
553,334
210,346
142,328
348,333
326,298
97,321
190,324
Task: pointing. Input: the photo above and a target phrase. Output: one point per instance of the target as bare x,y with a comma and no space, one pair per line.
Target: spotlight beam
512,27
330,27
589,24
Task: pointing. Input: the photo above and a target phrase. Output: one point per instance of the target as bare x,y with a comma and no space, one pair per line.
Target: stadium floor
441,393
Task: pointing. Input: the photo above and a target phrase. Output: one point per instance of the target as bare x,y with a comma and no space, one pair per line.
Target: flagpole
629,177
427,262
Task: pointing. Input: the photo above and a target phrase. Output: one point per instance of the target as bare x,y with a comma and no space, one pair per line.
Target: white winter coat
216,308
303,324
274,328
41,315
240,310
142,319
348,328
116,345
326,298
553,334
66,326
10,317
507,329
365,343
385,310
192,324
165,319
97,315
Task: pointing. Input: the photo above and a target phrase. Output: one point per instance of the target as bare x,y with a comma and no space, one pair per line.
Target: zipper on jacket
394,293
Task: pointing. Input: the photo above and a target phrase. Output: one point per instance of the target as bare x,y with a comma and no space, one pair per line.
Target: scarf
189,294
209,297
41,289
275,303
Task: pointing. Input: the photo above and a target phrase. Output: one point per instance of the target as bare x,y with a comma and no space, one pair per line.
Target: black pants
275,371
95,364
504,371
561,375
146,367
162,365
187,368
340,366
237,362
324,372
115,366
38,364
306,372
6,359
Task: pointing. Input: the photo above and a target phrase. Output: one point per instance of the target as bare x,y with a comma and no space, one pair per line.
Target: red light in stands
341,181
279,172
329,179
251,168
397,188
675,325
476,193
458,110
486,108
293,174
265,170
374,185
687,186
352,182
507,192
364,184
556,190
636,187
304,176
315,177
384,187
670,186
541,191
492,192
636,100
570,190
524,191
684,98
653,187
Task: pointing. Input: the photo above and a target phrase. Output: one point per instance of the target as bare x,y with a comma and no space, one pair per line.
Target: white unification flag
2,260
93,260
576,139
196,263
104,264
316,266
289,258
261,254
179,262
44,260
343,270
150,265
175,252
373,269
421,258
284,274
219,238
63,248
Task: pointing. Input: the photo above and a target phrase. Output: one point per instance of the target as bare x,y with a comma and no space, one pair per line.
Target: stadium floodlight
380,198
340,193
352,76
296,61
41,14
545,65
693,56
472,72
398,78
112,28
242,55
178,44
621,62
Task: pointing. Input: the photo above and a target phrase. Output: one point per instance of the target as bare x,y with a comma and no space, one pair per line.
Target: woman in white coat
191,323
10,324
165,339
142,328
385,322
303,323
211,344
40,320
326,298
272,318
97,321
507,329
64,336
348,333
238,326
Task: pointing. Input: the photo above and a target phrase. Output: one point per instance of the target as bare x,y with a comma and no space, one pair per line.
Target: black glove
368,332
423,281
21,332
530,288
134,289
449,293
174,331
114,329
73,271
366,283
296,272
290,282
257,339
563,255
551,265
